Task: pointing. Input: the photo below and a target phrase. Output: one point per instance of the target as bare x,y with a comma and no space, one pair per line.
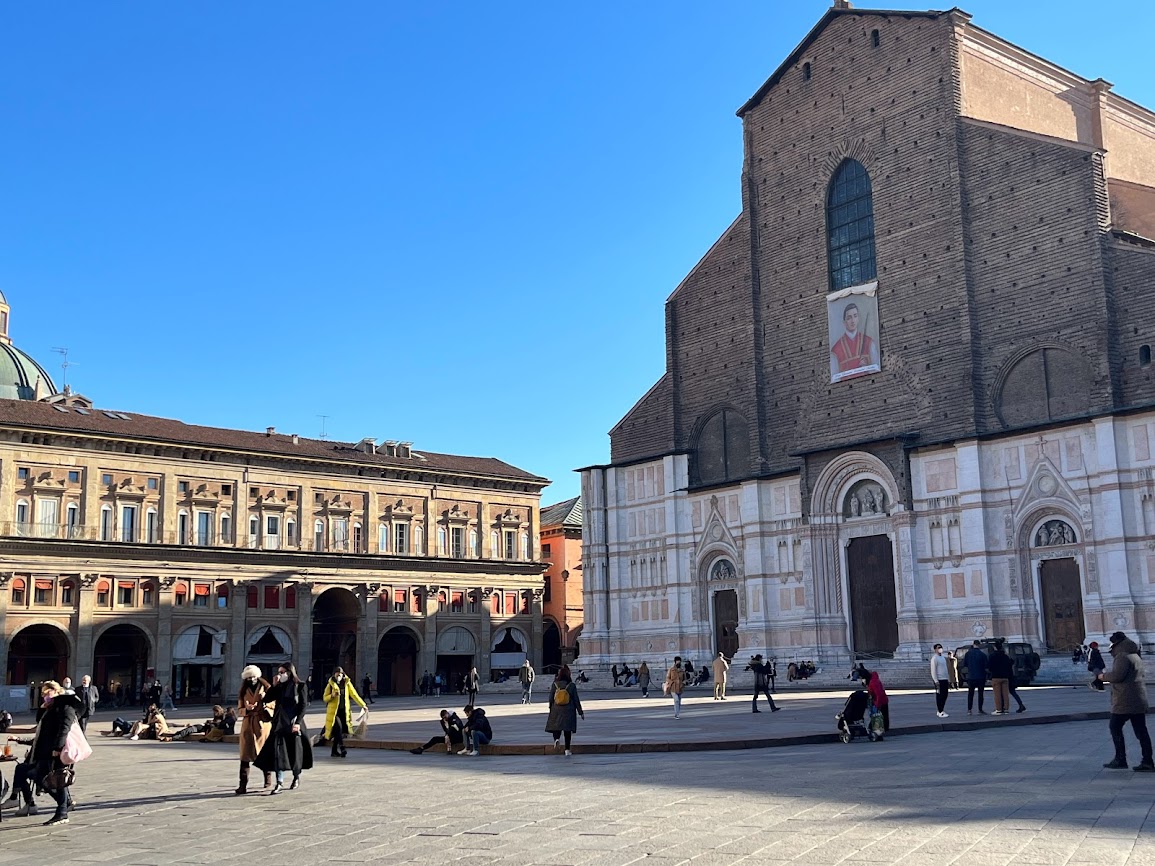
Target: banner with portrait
852,321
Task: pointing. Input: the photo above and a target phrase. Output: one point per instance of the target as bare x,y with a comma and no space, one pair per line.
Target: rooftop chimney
842,4
269,431
296,439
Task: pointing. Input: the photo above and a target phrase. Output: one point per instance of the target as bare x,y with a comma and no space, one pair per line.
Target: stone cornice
293,561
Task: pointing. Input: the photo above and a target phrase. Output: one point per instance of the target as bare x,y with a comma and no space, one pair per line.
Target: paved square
1021,795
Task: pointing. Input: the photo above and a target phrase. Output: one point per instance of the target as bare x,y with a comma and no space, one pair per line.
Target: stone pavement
1019,795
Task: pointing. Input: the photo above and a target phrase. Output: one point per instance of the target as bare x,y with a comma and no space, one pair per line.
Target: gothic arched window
850,227
722,452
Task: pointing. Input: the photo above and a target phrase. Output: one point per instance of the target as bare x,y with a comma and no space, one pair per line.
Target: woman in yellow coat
339,698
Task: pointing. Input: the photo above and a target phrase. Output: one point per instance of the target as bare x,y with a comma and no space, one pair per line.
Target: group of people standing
998,666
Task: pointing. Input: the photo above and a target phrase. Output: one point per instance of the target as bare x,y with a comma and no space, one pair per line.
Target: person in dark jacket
89,698
477,730
761,683
1128,702
451,734
288,746
565,707
1096,665
61,711
1001,669
976,664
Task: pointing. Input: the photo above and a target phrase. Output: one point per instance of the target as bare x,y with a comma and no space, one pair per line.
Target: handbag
76,747
58,780
362,725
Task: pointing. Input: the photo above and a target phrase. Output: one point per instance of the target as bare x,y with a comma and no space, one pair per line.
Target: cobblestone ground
1034,795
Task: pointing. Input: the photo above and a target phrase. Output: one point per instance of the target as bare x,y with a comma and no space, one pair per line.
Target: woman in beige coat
256,722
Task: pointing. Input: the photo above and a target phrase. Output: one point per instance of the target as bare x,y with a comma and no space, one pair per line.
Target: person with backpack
525,677
564,708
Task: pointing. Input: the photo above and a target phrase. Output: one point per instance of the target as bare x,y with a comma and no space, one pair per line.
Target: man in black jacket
89,698
1001,669
761,683
477,731
975,662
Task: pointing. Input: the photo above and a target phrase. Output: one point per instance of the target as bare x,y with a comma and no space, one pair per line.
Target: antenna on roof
323,418
64,364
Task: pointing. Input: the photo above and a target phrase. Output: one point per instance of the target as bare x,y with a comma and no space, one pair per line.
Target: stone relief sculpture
722,570
865,499
1054,532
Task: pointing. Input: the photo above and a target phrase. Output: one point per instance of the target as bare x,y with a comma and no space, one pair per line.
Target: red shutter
199,589
47,584
18,583
102,586
291,598
272,597
399,596
251,597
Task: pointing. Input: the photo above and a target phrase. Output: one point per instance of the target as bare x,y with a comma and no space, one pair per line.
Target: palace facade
908,394
136,547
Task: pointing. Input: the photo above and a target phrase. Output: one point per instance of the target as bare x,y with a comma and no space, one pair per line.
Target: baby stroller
859,716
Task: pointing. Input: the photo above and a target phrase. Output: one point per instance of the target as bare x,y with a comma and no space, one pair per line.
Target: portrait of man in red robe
853,352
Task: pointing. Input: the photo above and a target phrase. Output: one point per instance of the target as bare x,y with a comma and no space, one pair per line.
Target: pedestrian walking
614,674
977,666
339,699
564,708
472,684
675,682
255,723
644,679
1001,669
48,771
1128,702
1095,664
721,670
288,746
1015,694
525,677
89,697
940,675
367,688
761,684
878,696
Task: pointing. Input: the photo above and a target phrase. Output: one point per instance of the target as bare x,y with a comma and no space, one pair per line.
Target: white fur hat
251,672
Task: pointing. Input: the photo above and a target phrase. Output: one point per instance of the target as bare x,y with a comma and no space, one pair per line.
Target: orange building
561,547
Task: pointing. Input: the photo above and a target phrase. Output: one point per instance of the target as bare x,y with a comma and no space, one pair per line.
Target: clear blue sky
428,221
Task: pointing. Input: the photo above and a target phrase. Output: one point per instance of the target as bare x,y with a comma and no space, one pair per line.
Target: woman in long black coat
61,711
288,746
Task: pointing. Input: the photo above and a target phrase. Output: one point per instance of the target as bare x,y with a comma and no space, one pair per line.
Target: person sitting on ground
477,731
451,734
220,725
153,727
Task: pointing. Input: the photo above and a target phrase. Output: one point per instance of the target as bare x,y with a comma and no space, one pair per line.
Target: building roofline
814,33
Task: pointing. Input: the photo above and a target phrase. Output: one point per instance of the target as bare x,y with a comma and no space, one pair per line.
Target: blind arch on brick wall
850,226
722,448
1043,384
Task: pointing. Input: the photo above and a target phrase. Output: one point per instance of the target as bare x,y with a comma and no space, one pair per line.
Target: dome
19,375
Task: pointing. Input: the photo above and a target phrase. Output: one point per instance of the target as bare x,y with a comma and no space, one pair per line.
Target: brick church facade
908,394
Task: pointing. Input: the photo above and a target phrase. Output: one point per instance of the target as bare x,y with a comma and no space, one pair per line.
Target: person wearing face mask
288,746
940,676
61,710
339,699
255,724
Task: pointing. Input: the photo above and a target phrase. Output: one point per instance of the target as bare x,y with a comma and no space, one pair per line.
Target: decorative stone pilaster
304,636
367,640
85,661
429,641
538,629
484,669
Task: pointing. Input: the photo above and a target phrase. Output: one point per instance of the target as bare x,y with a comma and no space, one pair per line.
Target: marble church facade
908,396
